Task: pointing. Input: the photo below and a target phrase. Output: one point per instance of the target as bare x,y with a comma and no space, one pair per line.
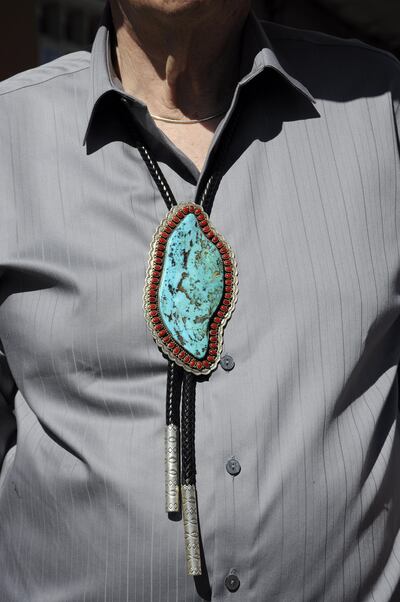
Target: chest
312,217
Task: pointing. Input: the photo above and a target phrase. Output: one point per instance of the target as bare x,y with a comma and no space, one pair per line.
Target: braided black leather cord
157,176
211,186
174,386
188,429
151,164
179,379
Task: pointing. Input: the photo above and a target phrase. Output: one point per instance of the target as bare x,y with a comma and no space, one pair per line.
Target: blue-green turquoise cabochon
191,286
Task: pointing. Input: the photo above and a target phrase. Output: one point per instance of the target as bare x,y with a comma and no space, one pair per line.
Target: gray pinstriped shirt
310,204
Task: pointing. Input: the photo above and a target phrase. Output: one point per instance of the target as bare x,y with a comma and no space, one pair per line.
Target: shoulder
329,44
328,61
38,81
36,104
31,100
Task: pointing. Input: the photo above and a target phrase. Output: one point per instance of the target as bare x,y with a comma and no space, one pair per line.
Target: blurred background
37,31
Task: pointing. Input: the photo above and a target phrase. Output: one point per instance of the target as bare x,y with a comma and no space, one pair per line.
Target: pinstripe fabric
310,204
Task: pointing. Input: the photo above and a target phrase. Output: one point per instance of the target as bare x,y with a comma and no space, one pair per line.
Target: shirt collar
257,55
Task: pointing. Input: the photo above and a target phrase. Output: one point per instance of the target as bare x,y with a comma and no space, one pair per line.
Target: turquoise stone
191,286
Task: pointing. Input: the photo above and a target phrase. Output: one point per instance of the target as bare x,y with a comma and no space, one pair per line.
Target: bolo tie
190,292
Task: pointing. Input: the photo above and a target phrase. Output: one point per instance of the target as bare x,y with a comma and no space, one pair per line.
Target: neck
181,64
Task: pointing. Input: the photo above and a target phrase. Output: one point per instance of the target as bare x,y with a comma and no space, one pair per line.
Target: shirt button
232,581
227,362
233,466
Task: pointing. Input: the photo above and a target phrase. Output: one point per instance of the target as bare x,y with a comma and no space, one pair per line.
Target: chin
180,6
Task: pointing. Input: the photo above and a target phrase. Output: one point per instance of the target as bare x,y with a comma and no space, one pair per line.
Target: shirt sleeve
395,91
396,107
8,425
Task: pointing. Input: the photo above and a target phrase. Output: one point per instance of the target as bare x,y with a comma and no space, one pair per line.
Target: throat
193,140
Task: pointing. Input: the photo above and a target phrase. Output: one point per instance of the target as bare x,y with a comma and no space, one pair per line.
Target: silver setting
146,292
172,492
191,528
